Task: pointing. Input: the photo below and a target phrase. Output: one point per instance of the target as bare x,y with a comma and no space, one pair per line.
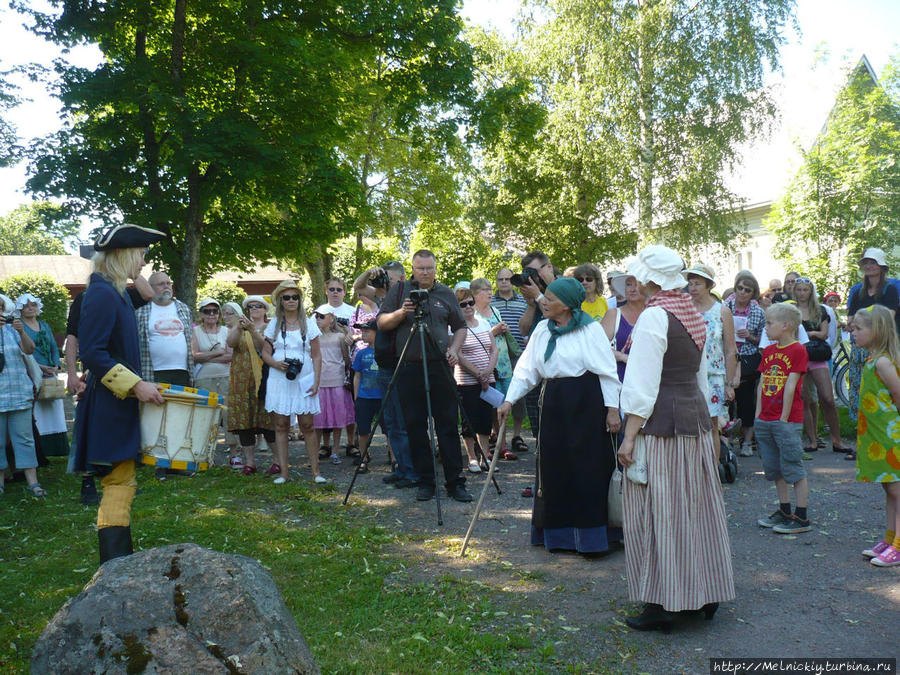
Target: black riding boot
115,542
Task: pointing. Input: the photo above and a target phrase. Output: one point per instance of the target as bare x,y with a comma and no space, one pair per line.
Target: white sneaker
281,480
320,480
746,450
474,467
335,459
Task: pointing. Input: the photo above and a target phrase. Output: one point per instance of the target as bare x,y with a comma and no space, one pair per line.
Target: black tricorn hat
127,236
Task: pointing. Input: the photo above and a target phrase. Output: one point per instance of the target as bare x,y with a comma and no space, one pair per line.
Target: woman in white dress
292,352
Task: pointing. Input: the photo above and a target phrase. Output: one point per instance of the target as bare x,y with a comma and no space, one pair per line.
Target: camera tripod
426,339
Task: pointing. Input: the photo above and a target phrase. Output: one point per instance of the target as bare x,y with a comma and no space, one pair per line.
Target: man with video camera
435,305
537,273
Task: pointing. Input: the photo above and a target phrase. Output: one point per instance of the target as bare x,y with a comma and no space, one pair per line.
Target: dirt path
809,595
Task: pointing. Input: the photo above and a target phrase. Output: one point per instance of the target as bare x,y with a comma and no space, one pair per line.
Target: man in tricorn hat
107,420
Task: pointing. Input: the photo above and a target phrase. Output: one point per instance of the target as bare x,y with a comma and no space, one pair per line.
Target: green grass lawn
344,577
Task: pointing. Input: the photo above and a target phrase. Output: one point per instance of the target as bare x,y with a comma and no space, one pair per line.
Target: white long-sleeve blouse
649,341
582,350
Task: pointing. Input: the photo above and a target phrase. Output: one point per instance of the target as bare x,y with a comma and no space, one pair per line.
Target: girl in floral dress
878,430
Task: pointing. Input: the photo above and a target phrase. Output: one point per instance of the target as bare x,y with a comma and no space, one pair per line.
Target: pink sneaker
889,557
876,550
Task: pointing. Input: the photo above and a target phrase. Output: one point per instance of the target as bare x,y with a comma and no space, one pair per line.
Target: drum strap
255,361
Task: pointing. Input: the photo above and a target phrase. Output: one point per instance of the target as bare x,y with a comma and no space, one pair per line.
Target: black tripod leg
437,493
479,451
379,419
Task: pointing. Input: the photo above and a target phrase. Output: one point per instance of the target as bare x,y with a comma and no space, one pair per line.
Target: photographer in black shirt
440,313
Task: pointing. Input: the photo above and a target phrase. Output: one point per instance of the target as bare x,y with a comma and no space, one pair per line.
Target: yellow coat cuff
119,380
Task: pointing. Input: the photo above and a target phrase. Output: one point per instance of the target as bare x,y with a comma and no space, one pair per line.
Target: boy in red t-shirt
779,418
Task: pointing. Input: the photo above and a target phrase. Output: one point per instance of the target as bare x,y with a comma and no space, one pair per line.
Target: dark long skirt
575,461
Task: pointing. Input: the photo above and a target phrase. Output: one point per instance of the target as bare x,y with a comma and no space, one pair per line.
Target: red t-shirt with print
777,363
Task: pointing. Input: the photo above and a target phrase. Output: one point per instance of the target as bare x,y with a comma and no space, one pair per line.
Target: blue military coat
107,428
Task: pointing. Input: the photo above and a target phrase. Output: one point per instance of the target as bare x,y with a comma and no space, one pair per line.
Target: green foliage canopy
646,105
846,195
38,228
221,291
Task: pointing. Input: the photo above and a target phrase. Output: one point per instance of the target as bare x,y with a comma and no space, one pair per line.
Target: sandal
840,448
850,456
508,456
325,452
248,470
518,444
36,490
352,451
275,468
363,468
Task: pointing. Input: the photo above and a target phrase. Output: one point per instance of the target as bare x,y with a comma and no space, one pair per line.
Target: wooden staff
484,490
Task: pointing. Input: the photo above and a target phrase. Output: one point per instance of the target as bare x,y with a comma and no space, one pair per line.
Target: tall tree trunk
190,251
314,263
646,158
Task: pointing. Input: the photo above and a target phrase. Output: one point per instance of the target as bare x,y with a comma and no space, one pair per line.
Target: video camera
419,296
528,274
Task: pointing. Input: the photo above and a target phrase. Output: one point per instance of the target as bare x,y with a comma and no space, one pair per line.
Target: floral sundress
715,361
878,430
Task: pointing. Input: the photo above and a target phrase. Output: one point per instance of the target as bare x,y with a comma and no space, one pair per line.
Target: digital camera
294,368
380,280
528,274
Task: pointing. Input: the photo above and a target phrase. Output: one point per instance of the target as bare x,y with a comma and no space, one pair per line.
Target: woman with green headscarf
570,355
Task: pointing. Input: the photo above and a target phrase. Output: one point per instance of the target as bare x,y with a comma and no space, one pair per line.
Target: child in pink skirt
335,401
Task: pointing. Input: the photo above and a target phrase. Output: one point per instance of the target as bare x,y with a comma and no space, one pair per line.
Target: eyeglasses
290,297
255,305
467,303
209,310
432,268
581,280
335,290
504,278
168,282
743,289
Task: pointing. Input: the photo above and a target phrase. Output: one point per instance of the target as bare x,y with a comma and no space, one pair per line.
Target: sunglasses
581,280
743,289
319,316
803,280
211,310
335,290
467,303
255,305
290,297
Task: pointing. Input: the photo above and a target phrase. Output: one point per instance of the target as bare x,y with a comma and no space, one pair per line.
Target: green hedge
221,291
52,293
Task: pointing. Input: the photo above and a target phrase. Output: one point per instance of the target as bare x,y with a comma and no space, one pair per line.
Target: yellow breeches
119,487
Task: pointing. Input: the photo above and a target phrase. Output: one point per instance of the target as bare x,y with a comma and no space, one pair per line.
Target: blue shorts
366,409
780,449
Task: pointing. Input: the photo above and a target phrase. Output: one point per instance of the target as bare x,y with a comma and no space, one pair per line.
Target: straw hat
255,298
701,270
287,284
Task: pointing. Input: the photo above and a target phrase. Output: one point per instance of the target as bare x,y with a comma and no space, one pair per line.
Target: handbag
750,365
818,350
34,371
51,389
637,471
614,496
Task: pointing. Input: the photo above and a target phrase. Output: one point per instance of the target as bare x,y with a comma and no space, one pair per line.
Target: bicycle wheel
842,384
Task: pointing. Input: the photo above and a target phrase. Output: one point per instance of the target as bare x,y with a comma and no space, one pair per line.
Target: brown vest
680,409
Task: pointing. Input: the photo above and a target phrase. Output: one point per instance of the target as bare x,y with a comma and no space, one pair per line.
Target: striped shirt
511,311
475,351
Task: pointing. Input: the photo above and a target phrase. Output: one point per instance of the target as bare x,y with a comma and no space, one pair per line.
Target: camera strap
284,340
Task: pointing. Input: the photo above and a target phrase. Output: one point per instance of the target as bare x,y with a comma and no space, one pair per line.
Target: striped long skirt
677,552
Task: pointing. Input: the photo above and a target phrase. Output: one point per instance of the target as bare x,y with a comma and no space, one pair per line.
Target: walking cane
484,490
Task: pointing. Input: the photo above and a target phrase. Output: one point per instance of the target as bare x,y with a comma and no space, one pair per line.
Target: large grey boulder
175,609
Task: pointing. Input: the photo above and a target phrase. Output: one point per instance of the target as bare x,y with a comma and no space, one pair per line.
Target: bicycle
840,374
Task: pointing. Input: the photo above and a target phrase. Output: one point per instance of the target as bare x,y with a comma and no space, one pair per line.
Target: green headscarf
571,293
